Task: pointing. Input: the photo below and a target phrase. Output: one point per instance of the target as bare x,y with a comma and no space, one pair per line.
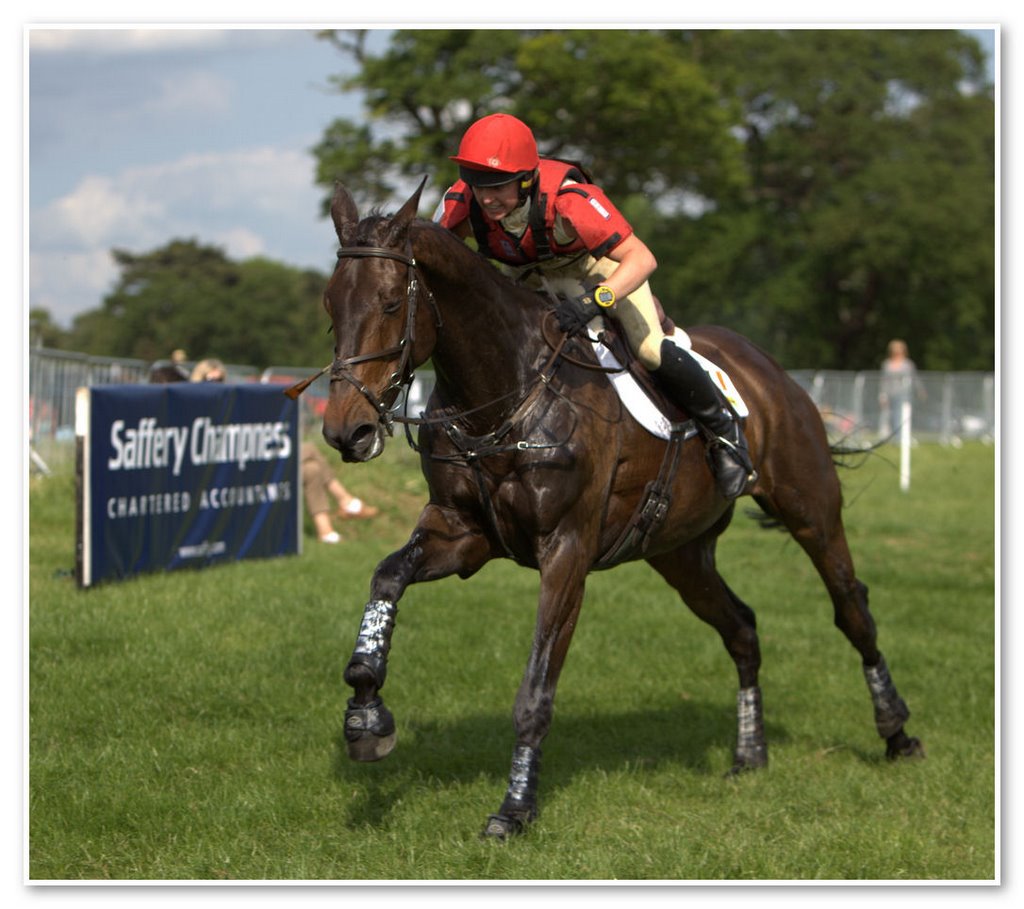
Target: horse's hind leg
691,571
815,522
441,545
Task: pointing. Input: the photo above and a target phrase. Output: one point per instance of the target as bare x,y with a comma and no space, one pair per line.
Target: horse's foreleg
441,545
561,595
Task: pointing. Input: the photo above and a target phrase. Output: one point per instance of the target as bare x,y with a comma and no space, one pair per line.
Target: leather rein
382,402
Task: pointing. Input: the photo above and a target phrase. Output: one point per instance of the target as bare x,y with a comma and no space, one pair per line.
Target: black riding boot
692,389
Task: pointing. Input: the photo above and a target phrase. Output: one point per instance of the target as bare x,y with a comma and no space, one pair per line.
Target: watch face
604,296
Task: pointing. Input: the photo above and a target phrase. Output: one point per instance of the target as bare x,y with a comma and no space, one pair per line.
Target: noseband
341,368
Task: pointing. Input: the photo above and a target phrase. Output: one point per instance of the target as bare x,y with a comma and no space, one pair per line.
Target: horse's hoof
907,748
369,731
501,827
370,748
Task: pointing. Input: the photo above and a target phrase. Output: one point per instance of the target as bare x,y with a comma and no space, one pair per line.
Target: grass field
187,726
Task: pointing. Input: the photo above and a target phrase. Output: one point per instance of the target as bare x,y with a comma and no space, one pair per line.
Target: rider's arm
636,265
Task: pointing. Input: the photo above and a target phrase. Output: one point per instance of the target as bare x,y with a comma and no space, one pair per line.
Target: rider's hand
574,314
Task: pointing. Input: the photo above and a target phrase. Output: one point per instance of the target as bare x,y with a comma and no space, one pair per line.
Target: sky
137,136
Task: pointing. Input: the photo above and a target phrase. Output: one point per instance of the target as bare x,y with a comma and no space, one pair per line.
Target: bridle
341,369
383,402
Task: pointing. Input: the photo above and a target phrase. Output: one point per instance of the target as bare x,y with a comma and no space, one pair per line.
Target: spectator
175,370
209,370
319,486
899,379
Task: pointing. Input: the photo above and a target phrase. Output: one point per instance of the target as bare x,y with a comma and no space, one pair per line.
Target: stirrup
729,471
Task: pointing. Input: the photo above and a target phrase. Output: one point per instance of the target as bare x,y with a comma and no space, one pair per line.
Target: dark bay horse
529,455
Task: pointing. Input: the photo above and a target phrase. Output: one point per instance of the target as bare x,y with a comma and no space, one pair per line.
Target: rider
547,220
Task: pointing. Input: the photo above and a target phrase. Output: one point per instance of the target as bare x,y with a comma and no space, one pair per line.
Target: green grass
187,726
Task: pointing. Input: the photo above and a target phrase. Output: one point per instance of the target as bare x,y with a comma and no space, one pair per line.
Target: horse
529,455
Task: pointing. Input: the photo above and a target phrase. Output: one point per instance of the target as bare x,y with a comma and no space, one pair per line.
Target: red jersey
598,225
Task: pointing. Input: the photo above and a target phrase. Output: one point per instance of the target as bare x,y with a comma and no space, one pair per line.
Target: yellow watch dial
604,296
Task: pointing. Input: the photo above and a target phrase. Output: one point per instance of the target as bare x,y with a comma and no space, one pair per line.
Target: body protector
598,224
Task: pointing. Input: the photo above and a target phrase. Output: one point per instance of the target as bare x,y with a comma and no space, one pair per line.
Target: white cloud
99,210
250,202
60,279
191,93
240,243
105,39
152,200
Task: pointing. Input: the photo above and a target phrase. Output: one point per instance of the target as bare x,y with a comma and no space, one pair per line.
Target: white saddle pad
635,399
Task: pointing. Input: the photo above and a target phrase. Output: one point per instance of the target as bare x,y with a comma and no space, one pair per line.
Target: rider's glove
573,314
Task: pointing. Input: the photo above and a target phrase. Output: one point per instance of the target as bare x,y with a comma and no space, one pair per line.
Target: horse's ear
343,213
400,222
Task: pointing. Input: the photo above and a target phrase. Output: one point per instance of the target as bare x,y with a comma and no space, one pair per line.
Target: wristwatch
604,296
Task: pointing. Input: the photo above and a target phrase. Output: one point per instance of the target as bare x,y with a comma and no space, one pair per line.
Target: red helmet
497,149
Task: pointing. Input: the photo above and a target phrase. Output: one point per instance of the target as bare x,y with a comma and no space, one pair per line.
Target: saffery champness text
149,445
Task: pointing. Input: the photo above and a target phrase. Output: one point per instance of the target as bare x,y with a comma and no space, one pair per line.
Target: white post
905,413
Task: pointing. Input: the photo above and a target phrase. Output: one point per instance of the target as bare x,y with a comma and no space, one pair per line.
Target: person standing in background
899,379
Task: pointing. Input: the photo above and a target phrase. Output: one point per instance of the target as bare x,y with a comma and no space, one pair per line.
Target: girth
653,507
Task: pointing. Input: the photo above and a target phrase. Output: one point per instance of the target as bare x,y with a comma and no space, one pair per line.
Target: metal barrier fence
53,376
948,407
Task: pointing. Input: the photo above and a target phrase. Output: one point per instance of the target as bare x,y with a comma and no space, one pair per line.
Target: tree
429,85
43,331
819,190
190,296
871,155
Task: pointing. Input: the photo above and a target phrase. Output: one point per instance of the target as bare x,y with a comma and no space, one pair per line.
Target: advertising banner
184,475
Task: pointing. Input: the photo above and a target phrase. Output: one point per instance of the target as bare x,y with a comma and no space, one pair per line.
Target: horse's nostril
362,434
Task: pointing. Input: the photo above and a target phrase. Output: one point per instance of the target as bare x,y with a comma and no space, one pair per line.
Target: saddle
658,414
640,392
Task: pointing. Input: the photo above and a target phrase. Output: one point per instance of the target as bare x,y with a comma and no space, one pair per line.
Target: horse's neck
488,344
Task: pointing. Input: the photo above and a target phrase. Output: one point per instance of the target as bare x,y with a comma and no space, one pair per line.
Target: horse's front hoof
369,731
500,827
903,747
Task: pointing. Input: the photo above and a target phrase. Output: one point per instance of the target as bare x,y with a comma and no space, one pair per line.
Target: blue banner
184,475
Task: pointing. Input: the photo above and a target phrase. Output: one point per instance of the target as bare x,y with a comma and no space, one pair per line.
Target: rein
471,447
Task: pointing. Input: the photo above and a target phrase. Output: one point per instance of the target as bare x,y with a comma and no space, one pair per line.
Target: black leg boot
692,389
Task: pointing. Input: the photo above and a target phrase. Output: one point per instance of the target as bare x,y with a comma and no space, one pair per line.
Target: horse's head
383,326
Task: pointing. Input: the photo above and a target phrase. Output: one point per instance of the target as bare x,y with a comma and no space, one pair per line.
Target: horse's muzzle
359,443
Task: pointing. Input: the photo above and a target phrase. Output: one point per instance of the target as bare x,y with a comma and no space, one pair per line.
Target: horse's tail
852,456
843,455
765,519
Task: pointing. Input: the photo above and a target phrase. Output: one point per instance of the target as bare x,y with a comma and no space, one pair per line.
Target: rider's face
498,201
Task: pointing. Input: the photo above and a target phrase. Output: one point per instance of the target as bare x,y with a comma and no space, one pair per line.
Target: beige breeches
637,313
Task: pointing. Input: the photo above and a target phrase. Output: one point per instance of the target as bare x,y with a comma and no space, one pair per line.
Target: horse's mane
469,265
